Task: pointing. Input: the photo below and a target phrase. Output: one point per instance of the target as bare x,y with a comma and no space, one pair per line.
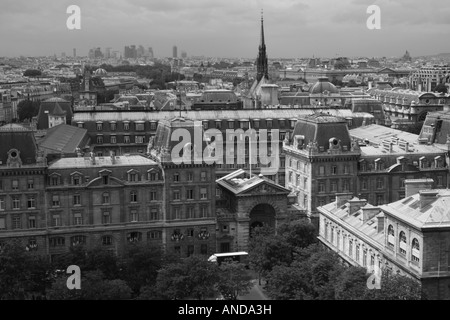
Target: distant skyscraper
175,52
140,51
262,69
107,53
74,52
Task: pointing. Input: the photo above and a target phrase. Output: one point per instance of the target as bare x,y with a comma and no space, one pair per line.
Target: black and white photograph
221,157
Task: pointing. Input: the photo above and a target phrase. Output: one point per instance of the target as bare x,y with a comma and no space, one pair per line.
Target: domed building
324,93
100,72
323,86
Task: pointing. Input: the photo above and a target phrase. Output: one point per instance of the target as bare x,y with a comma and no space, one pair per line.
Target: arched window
402,243
415,252
391,236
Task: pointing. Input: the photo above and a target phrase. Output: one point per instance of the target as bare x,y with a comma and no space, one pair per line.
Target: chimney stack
369,211
427,197
355,205
342,198
413,186
380,225
92,158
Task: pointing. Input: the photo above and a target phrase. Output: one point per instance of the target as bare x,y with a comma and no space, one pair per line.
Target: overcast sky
227,28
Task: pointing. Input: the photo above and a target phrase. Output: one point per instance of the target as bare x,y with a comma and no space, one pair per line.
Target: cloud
224,27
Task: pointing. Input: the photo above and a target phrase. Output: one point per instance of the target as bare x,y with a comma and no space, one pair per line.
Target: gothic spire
262,30
261,62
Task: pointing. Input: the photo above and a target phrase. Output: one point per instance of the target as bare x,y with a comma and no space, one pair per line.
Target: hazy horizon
231,28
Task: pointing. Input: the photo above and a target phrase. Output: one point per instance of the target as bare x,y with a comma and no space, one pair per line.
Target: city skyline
228,29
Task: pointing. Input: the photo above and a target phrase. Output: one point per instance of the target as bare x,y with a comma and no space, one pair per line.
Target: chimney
92,158
355,205
369,211
427,197
342,198
380,225
113,158
413,186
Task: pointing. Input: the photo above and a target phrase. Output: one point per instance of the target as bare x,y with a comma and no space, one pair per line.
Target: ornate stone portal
247,202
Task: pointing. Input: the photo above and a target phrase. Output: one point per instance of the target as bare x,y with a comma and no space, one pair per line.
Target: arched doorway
262,215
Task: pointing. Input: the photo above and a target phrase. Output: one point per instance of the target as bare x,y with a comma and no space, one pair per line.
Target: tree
396,287
441,88
233,280
194,277
32,73
21,272
351,284
299,233
94,286
141,265
27,109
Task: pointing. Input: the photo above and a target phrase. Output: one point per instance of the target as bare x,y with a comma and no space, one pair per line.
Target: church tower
261,61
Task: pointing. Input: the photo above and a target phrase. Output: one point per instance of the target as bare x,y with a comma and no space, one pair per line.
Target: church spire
261,62
262,29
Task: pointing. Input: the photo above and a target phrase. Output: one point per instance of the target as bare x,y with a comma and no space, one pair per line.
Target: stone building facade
408,237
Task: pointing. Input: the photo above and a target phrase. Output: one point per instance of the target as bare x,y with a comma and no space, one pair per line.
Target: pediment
265,188
97,182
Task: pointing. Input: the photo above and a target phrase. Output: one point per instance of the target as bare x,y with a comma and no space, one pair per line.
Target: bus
240,256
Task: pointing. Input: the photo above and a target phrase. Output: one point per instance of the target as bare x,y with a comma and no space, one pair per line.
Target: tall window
126,126
76,200
2,203
357,252
107,240
126,139
204,212
321,170
203,176
31,222
56,220
30,184
106,217
321,187
134,217
105,198
402,243
54,180
133,196
415,252
176,195
99,126
55,200
190,213
176,177
190,194
154,214
365,258
350,248
380,183
15,185
190,176
203,194
77,219
113,139
334,170
177,213
153,196
99,139
391,236
16,223
333,186
113,126
31,202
